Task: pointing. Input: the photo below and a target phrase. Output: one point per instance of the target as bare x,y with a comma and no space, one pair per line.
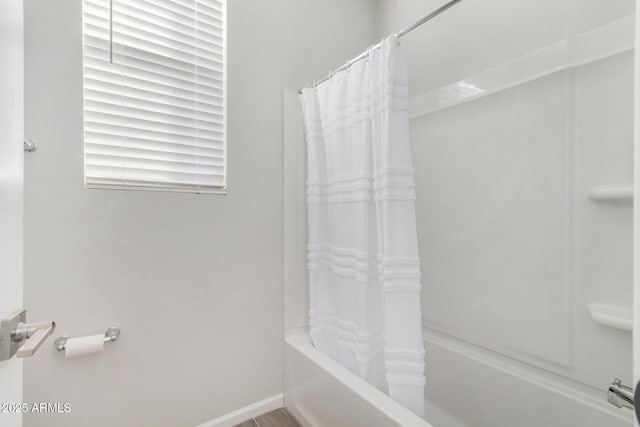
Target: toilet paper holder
110,335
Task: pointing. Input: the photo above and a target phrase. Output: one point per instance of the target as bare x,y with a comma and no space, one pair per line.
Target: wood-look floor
278,418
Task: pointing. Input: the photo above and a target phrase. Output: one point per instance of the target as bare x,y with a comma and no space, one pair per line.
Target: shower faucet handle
620,395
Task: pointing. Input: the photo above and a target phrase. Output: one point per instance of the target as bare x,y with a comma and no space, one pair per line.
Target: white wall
194,281
11,197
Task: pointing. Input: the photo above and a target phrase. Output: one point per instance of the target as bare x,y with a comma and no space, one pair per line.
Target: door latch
21,339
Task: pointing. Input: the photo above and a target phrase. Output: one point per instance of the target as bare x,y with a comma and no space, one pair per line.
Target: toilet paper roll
84,345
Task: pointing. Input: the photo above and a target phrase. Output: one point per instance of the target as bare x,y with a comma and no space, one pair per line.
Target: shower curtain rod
435,12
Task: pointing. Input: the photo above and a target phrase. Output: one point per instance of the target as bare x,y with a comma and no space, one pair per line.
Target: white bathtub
321,393
466,387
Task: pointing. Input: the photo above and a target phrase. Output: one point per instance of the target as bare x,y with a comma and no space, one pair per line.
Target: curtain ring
396,34
371,49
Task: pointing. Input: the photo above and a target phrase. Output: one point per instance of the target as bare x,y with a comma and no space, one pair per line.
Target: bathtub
466,387
320,392
470,386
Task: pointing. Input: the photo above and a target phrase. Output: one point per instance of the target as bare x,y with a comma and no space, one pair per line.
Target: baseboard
250,411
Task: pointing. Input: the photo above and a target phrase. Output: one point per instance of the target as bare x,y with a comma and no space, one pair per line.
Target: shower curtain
362,256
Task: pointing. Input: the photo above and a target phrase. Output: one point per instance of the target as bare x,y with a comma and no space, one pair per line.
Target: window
154,95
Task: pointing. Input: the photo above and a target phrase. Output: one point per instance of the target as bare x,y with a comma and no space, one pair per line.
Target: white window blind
154,118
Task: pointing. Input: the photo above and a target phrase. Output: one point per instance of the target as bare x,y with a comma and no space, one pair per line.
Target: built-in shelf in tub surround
611,192
611,316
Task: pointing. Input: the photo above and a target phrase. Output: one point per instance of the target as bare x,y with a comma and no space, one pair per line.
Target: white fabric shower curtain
363,258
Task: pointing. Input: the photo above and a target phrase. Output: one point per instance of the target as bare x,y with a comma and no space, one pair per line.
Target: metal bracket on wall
29,145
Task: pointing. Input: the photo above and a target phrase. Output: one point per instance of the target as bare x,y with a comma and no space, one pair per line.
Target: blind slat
95,135
155,117
145,61
173,129
99,19
157,107
101,83
106,105
131,161
163,82
140,83
102,146
141,33
145,174
94,58
154,186
144,11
